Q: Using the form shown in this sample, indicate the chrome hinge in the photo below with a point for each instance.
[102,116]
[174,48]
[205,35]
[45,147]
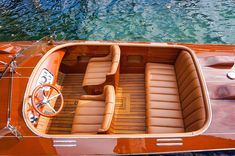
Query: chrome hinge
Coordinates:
[14,131]
[64,143]
[169,142]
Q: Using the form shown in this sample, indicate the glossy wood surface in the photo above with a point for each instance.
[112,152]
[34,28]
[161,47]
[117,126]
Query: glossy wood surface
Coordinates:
[4,102]
[51,64]
[220,135]
[129,116]
[72,90]
[78,57]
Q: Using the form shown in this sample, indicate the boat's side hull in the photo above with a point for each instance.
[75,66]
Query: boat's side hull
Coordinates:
[36,145]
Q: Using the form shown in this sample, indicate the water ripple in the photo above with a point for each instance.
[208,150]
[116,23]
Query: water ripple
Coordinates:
[192,21]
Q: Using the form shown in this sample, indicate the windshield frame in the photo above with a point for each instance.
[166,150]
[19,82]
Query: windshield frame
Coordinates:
[9,64]
[38,47]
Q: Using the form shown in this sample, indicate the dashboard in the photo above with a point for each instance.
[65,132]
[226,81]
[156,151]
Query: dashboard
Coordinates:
[45,77]
[46,72]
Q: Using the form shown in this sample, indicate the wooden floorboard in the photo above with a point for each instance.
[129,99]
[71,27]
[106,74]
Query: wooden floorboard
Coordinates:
[129,117]
[71,90]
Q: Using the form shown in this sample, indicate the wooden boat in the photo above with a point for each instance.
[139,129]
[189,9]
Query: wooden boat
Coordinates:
[97,97]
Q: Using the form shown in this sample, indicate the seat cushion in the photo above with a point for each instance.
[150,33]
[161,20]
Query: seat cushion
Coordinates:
[94,113]
[96,73]
[164,113]
[88,116]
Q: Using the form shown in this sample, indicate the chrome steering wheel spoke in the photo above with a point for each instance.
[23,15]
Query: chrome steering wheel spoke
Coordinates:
[47,100]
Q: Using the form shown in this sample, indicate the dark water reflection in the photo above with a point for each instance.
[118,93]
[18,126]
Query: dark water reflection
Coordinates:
[201,21]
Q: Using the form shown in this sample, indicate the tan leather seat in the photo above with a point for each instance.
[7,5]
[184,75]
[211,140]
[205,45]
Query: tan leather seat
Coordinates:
[94,113]
[101,71]
[174,97]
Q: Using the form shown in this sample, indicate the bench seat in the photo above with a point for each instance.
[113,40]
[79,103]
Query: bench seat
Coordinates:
[174,97]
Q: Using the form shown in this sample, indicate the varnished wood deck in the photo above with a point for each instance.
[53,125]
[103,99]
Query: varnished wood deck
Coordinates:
[130,105]
[72,90]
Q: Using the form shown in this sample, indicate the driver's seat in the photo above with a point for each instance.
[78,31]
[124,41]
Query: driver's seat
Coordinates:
[94,113]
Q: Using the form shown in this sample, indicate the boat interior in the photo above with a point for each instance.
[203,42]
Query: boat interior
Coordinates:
[114,89]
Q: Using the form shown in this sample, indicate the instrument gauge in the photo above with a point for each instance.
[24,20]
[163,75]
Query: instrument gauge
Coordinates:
[43,79]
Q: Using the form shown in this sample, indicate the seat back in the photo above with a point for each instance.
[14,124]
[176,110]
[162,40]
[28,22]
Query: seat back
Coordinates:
[112,77]
[193,107]
[107,74]
[109,94]
[115,55]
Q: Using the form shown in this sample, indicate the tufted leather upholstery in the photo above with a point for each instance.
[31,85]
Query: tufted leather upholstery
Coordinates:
[94,113]
[174,97]
[101,71]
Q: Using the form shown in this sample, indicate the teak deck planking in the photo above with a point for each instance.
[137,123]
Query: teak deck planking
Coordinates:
[71,90]
[130,105]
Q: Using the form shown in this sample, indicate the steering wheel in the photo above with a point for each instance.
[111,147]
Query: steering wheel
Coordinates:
[41,100]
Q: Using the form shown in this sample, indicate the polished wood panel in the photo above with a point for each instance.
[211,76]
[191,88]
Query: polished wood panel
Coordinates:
[51,63]
[4,101]
[73,64]
[27,146]
[148,54]
[129,117]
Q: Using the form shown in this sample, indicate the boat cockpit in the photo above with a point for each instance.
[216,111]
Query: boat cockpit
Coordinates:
[117,90]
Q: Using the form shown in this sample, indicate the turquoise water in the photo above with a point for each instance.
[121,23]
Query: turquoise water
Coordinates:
[195,21]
